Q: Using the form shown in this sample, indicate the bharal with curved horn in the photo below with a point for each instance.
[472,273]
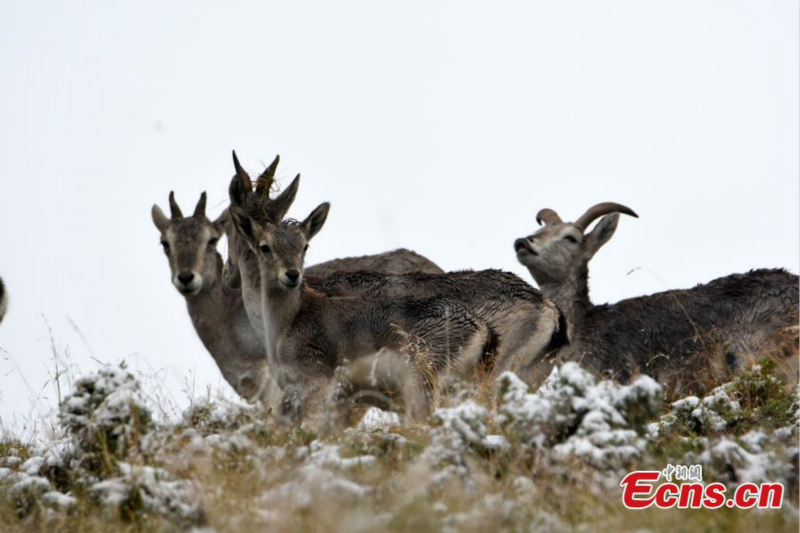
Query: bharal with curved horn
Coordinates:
[689,339]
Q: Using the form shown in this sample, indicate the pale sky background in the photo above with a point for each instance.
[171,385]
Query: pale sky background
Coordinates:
[438,126]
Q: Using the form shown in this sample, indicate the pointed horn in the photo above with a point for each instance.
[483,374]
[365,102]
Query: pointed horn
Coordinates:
[240,172]
[174,210]
[606,208]
[267,178]
[548,216]
[200,209]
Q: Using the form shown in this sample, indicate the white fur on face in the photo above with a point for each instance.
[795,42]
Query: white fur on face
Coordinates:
[192,288]
[177,249]
[550,252]
[284,279]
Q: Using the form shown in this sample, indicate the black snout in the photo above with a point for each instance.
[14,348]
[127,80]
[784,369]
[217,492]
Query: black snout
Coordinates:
[185,277]
[523,244]
[292,276]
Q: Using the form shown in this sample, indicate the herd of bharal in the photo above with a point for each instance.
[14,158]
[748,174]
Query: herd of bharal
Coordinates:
[386,330]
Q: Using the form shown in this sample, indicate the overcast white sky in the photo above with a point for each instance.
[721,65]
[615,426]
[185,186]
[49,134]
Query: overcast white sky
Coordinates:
[439,126]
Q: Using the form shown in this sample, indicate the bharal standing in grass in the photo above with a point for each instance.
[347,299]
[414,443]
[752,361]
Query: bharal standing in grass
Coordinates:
[3,300]
[689,339]
[217,312]
[309,335]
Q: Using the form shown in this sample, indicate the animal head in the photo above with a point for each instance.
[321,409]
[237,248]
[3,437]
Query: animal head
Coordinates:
[255,201]
[189,244]
[279,246]
[560,249]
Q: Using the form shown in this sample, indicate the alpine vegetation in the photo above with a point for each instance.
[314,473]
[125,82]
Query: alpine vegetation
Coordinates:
[100,465]
[689,339]
[533,460]
[379,393]
[573,415]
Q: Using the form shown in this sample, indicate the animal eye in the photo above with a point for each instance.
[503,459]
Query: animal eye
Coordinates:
[571,239]
[213,242]
[305,248]
[265,249]
[165,244]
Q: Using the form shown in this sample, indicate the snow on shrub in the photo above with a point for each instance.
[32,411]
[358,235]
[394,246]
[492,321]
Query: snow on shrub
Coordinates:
[106,416]
[457,432]
[107,419]
[146,490]
[743,460]
[22,491]
[574,415]
[713,413]
[221,414]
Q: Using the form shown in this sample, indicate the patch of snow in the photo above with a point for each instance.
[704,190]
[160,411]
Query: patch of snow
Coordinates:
[377,419]
[577,416]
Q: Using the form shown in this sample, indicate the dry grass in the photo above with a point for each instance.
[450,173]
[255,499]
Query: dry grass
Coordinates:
[250,473]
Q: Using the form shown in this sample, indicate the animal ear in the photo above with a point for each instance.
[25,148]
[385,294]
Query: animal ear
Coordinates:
[282,202]
[316,219]
[243,224]
[159,218]
[237,192]
[221,223]
[602,233]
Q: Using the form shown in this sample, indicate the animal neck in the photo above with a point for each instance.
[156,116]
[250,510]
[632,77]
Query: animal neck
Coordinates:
[250,279]
[220,320]
[280,307]
[571,295]
[207,301]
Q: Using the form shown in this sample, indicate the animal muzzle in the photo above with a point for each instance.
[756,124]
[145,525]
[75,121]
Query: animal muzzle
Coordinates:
[523,246]
[188,282]
[291,278]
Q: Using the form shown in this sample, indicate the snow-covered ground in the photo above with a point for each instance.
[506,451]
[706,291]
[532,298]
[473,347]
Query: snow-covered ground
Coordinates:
[546,460]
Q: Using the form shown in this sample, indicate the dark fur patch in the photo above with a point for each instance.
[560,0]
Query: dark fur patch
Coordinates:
[489,355]
[560,337]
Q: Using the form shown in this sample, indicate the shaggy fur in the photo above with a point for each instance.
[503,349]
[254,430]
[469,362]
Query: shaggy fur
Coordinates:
[529,326]
[692,337]
[309,335]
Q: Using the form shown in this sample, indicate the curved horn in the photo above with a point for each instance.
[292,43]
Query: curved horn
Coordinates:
[606,208]
[174,210]
[267,178]
[548,216]
[240,172]
[200,209]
